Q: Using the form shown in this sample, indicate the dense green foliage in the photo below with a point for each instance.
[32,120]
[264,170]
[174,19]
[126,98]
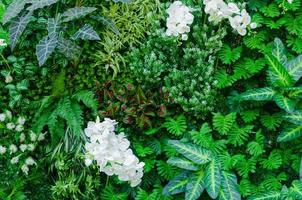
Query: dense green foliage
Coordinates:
[213,115]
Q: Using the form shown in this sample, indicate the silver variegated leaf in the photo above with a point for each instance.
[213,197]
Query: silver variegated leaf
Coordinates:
[176,185]
[123,1]
[46,47]
[108,22]
[17,27]
[53,25]
[69,48]
[294,67]
[36,4]
[75,13]
[13,10]
[279,51]
[86,33]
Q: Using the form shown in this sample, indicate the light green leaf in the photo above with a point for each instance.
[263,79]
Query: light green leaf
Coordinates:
[277,73]
[229,187]
[86,33]
[296,189]
[294,117]
[224,123]
[195,186]
[294,67]
[13,10]
[279,51]
[75,13]
[46,47]
[269,195]
[36,4]
[285,103]
[182,163]
[290,133]
[213,178]
[192,152]
[176,185]
[260,94]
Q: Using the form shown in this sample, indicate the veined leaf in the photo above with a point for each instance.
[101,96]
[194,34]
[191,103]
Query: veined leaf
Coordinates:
[176,185]
[75,13]
[294,117]
[192,152]
[36,4]
[123,1]
[290,133]
[17,27]
[277,73]
[224,123]
[45,48]
[293,92]
[279,51]
[294,67]
[296,189]
[213,178]
[260,94]
[270,195]
[195,186]
[86,33]
[229,187]
[285,103]
[182,163]
[53,25]
[108,22]
[13,10]
[68,48]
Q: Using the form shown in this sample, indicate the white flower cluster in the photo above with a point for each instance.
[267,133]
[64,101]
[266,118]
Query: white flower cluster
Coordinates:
[218,10]
[111,152]
[179,20]
[3,43]
[21,148]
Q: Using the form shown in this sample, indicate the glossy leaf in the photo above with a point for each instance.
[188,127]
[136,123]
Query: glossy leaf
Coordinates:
[182,163]
[176,185]
[279,51]
[294,117]
[269,195]
[294,67]
[260,94]
[75,13]
[86,33]
[290,133]
[46,47]
[229,187]
[36,4]
[213,178]
[13,10]
[53,25]
[195,186]
[285,103]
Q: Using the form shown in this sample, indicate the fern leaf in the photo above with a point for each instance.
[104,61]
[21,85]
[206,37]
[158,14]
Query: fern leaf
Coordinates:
[87,98]
[228,55]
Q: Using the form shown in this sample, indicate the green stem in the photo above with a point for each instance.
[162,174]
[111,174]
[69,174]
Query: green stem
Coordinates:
[107,181]
[5,61]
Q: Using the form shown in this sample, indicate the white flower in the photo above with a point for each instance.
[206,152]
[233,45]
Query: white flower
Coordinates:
[2,149]
[25,169]
[253,25]
[290,1]
[19,128]
[3,43]
[30,147]
[41,136]
[10,126]
[88,161]
[14,160]
[30,161]
[2,117]
[8,114]
[23,147]
[22,137]
[8,78]
[13,148]
[33,136]
[21,120]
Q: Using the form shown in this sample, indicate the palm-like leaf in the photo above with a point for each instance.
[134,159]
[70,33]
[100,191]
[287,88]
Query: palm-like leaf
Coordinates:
[195,186]
[289,133]
[182,163]
[213,178]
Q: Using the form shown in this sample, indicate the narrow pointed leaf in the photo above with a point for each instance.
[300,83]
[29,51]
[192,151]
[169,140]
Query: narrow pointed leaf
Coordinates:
[36,4]
[285,103]
[270,195]
[53,25]
[279,51]
[294,67]
[195,186]
[290,133]
[261,94]
[176,185]
[229,187]
[75,13]
[13,10]
[213,178]
[192,152]
[45,48]
[277,73]
[86,33]
[17,27]
[182,163]
[294,117]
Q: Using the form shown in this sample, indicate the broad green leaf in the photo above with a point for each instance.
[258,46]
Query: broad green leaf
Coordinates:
[294,117]
[182,163]
[2,11]
[289,133]
[279,51]
[53,25]
[13,10]
[68,48]
[229,187]
[192,152]
[285,103]
[277,73]
[17,27]
[294,67]
[269,195]
[108,22]
[46,47]
[296,189]
[86,33]
[293,92]
[195,186]
[176,185]
[36,4]
[213,178]
[75,13]
[260,94]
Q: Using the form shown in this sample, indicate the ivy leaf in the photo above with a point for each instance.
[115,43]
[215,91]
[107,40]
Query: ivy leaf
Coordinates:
[229,187]
[53,25]
[192,152]
[279,51]
[213,178]
[285,103]
[294,117]
[195,186]
[290,133]
[260,94]
[13,10]
[294,67]
[46,47]
[75,13]
[277,73]
[176,185]
[86,33]
[228,55]
[182,163]
[270,195]
[36,4]
[17,27]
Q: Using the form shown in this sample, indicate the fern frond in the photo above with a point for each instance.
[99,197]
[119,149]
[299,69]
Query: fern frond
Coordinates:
[176,126]
[223,123]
